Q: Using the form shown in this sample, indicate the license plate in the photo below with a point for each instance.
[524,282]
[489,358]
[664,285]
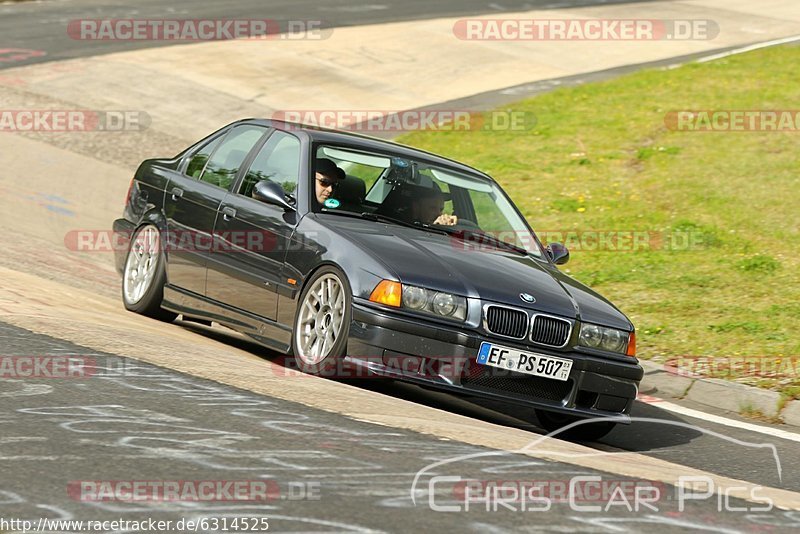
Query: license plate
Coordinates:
[520,361]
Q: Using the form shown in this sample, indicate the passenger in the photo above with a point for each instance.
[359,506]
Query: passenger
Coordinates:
[327,177]
[428,207]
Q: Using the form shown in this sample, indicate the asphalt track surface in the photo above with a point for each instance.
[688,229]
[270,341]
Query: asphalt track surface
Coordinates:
[324,472]
[42,25]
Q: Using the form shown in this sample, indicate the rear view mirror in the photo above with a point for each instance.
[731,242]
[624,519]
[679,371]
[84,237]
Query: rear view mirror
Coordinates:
[558,253]
[271,193]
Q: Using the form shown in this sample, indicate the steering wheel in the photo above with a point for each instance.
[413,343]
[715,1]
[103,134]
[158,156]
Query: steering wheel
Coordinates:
[466,223]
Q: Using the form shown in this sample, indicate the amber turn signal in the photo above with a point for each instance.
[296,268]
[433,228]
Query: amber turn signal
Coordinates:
[631,344]
[387,292]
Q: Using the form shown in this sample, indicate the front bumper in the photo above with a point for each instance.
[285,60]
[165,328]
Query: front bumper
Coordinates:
[444,357]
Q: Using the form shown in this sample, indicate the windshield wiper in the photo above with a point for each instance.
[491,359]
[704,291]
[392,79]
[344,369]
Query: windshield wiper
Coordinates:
[484,237]
[385,218]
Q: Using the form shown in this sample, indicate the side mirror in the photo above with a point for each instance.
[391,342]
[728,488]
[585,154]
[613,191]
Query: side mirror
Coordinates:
[271,193]
[558,253]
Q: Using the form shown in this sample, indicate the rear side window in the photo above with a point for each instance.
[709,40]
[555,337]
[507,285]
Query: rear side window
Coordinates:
[199,160]
[229,156]
[278,161]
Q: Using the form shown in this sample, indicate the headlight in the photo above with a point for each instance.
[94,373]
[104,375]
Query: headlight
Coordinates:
[420,299]
[415,298]
[614,340]
[600,337]
[591,335]
[444,304]
[434,302]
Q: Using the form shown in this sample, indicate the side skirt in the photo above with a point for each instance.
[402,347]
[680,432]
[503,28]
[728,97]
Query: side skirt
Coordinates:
[269,333]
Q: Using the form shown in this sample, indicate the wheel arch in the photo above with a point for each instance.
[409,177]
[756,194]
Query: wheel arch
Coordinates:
[314,270]
[157,218]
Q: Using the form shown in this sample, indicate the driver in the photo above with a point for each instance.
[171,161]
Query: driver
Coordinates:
[326,179]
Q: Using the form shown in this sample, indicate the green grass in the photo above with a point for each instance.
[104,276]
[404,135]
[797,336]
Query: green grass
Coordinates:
[601,158]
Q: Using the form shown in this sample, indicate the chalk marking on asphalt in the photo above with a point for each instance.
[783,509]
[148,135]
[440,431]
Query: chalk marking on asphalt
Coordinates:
[711,418]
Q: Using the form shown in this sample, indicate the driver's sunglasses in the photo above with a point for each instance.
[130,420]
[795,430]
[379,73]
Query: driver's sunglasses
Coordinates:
[325,182]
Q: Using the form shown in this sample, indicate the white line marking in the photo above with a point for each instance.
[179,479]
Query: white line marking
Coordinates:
[749,48]
[697,414]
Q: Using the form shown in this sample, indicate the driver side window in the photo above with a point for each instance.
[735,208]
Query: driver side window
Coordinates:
[277,161]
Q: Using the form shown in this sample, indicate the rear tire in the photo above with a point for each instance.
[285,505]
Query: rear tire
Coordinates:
[322,323]
[552,422]
[144,275]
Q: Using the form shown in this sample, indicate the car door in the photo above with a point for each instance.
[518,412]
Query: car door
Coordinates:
[192,202]
[252,236]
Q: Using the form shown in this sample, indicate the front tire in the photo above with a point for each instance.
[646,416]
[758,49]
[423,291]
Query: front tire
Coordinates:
[144,275]
[322,323]
[553,422]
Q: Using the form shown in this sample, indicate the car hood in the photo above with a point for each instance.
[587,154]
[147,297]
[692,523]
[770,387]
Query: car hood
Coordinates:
[446,263]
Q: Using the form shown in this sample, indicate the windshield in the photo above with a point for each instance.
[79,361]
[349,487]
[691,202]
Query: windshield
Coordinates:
[387,187]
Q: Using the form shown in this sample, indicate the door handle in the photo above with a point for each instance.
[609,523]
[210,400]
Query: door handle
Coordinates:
[177,193]
[228,213]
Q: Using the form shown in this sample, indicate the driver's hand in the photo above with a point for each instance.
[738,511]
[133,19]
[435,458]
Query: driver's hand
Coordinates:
[446,220]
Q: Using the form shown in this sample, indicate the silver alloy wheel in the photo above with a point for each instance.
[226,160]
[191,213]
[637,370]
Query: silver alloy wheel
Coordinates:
[141,265]
[320,321]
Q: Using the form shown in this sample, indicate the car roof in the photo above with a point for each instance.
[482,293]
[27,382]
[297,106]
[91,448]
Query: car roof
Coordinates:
[324,135]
